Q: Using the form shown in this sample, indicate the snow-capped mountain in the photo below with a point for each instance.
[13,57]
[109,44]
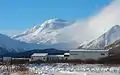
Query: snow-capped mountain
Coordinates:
[41,36]
[107,38]
[8,44]
[59,34]
[11,45]
[46,33]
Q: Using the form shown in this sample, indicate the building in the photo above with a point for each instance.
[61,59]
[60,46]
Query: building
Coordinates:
[78,54]
[82,54]
[46,57]
[55,57]
[66,56]
[7,60]
[39,56]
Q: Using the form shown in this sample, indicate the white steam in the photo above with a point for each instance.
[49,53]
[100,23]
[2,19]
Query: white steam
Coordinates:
[94,26]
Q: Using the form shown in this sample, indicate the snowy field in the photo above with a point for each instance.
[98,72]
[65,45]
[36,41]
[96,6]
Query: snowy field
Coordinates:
[69,69]
[61,69]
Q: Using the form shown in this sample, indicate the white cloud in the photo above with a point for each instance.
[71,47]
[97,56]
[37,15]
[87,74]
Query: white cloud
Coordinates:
[94,26]
[108,17]
[10,32]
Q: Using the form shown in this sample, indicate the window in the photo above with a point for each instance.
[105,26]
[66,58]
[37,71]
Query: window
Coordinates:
[66,55]
[102,53]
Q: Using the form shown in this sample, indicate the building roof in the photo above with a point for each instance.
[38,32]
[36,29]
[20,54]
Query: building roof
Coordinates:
[94,50]
[60,55]
[66,53]
[56,55]
[39,54]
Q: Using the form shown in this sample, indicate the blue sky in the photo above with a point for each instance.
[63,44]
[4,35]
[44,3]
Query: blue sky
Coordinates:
[22,14]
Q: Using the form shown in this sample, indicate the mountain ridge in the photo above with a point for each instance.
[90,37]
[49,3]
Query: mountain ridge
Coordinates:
[53,33]
[107,38]
[45,33]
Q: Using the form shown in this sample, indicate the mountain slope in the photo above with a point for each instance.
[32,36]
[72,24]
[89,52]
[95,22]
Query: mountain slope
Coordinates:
[44,33]
[10,45]
[50,34]
[107,38]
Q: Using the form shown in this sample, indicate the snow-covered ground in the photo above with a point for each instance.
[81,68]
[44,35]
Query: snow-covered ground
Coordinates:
[70,69]
[63,69]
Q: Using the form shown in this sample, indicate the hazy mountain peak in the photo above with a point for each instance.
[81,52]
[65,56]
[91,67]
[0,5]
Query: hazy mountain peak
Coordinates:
[114,28]
[55,20]
[55,23]
[47,32]
[107,38]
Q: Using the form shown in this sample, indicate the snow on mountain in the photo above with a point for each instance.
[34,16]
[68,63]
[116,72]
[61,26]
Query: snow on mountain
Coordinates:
[10,45]
[14,45]
[107,38]
[62,34]
[46,33]
[58,33]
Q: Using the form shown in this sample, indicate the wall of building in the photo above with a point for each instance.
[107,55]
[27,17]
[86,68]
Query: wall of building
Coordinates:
[85,55]
[80,54]
[55,57]
[42,58]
